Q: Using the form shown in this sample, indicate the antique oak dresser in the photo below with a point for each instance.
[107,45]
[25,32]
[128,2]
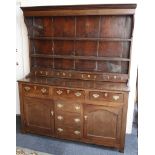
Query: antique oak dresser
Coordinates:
[77,88]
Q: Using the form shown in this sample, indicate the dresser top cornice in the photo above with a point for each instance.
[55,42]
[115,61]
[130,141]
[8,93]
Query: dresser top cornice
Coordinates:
[98,9]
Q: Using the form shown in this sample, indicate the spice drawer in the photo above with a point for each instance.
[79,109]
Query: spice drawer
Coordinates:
[106,96]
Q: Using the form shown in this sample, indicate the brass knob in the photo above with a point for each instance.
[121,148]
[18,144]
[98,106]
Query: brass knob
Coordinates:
[77,132]
[60,129]
[58,74]
[60,118]
[115,77]
[43,90]
[76,120]
[96,95]
[77,107]
[27,88]
[88,76]
[78,94]
[59,105]
[63,74]
[59,92]
[41,72]
[115,97]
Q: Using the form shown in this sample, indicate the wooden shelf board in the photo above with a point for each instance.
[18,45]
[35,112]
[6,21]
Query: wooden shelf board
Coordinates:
[80,57]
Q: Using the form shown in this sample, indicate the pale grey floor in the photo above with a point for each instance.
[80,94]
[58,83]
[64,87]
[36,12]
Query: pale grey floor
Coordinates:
[64,147]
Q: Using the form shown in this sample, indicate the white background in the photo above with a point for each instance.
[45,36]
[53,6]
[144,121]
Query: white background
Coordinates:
[144,46]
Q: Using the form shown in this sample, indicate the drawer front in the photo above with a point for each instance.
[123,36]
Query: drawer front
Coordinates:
[33,90]
[68,119]
[68,106]
[68,93]
[68,132]
[106,96]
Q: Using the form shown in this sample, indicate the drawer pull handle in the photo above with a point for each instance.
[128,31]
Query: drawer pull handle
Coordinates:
[96,95]
[78,94]
[52,113]
[115,97]
[77,132]
[43,90]
[59,92]
[27,88]
[115,77]
[77,120]
[88,76]
[77,107]
[59,117]
[64,74]
[59,105]
[85,117]
[105,94]
[60,129]
[68,91]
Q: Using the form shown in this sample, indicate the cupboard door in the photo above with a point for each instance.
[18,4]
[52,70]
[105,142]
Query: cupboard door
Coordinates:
[102,124]
[38,116]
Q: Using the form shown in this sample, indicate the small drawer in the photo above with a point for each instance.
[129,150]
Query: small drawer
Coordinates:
[67,106]
[69,93]
[89,76]
[106,96]
[68,132]
[67,118]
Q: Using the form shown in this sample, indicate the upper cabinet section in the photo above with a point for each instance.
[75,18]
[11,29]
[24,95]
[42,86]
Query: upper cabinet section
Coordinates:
[87,38]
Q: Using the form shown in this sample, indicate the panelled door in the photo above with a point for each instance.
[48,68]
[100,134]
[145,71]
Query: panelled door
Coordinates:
[102,124]
[39,115]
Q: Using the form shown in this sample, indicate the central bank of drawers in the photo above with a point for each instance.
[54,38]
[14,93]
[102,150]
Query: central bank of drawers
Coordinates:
[68,121]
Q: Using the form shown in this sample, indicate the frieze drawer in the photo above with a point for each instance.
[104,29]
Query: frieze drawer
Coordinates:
[34,90]
[107,96]
[69,93]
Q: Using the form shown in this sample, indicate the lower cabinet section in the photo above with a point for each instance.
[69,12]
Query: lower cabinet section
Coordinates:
[38,115]
[87,121]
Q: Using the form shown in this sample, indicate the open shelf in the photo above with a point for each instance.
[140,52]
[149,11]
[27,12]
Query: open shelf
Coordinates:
[80,38]
[80,57]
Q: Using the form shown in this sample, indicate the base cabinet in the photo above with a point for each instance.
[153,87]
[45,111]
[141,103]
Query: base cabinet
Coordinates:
[102,124]
[39,116]
[89,118]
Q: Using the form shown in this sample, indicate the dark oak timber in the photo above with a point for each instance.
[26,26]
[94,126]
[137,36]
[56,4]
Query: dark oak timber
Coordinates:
[80,59]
